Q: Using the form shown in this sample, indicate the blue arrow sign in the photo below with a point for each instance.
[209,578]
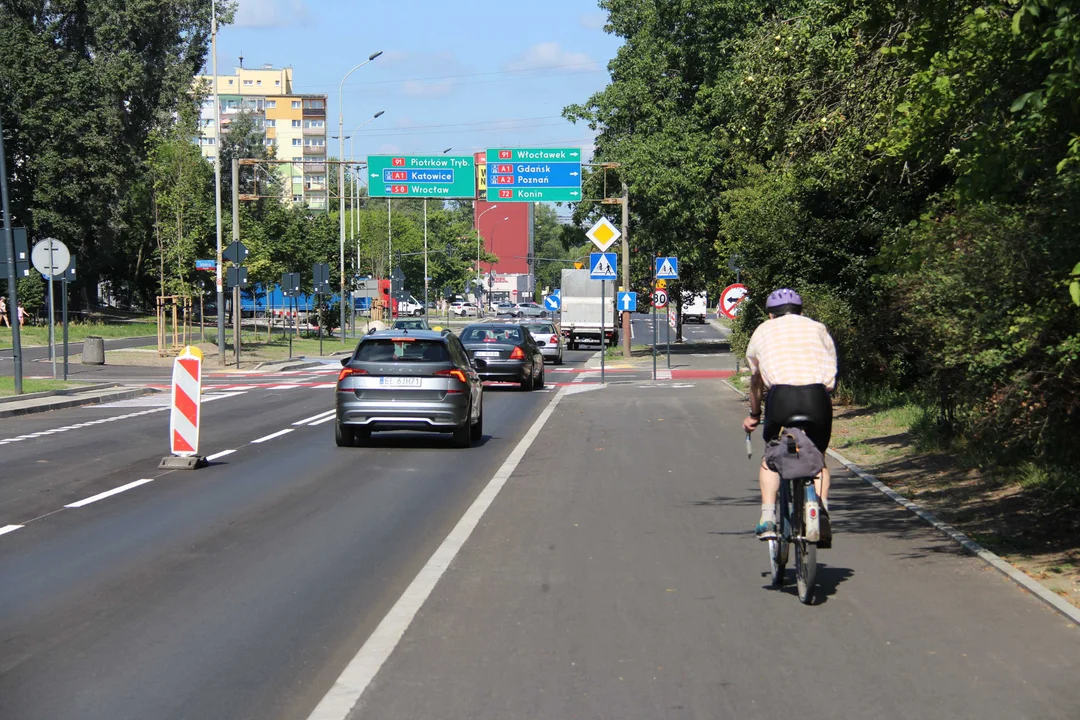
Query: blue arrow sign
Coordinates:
[602,266]
[667,268]
[627,301]
[418,175]
[553,302]
[557,292]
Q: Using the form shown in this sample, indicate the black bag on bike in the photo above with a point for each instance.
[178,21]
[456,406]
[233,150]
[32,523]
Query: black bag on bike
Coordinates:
[793,455]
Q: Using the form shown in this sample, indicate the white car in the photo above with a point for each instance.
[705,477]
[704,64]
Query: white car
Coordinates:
[464,309]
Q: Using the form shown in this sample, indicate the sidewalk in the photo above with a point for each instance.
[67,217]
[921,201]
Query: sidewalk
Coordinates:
[616,576]
[16,405]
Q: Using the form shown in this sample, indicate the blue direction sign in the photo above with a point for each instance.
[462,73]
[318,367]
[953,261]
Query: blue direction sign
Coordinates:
[552,302]
[206,264]
[539,174]
[667,268]
[627,301]
[602,266]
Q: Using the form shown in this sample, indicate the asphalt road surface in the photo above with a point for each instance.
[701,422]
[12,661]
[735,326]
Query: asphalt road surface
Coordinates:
[614,576]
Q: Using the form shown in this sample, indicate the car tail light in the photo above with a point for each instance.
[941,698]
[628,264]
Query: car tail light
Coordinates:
[554,340]
[346,372]
[454,373]
[517,354]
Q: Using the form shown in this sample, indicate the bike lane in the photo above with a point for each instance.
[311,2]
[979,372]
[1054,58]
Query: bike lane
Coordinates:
[616,576]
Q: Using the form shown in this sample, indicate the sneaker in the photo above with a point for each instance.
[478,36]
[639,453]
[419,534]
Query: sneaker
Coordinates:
[826,530]
[765,530]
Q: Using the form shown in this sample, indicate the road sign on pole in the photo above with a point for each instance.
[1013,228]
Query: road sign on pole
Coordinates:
[235,253]
[50,258]
[533,175]
[603,234]
[602,266]
[627,302]
[443,176]
[730,300]
[660,298]
[185,416]
[667,268]
[552,302]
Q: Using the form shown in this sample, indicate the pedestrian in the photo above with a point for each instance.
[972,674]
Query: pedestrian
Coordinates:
[22,315]
[3,311]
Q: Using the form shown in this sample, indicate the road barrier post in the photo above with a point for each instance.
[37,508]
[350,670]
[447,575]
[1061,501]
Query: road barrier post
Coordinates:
[185,415]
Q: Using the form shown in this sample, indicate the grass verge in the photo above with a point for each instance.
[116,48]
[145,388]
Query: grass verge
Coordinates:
[7,385]
[77,332]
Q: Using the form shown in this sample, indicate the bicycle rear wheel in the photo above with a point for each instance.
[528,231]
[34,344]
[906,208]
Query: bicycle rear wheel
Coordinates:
[805,570]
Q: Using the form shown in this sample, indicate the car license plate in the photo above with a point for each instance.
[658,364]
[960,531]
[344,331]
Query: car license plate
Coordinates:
[400,382]
[481,353]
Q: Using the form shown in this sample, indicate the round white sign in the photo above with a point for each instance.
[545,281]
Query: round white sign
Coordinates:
[730,300]
[50,257]
[659,298]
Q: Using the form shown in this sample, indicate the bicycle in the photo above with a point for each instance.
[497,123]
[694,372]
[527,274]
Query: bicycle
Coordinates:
[798,511]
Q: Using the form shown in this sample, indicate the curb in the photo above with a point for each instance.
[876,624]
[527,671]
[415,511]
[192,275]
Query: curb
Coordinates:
[127,394]
[302,365]
[52,393]
[717,326]
[1027,583]
[995,561]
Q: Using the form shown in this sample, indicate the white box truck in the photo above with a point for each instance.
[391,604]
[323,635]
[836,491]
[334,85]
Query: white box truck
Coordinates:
[695,307]
[583,308]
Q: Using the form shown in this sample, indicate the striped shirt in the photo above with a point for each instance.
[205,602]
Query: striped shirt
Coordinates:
[793,350]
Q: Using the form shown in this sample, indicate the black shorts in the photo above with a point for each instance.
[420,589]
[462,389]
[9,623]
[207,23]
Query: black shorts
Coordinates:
[783,401]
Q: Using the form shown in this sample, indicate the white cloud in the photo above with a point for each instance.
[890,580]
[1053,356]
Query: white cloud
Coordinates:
[388,149]
[593,21]
[551,54]
[391,57]
[272,13]
[424,88]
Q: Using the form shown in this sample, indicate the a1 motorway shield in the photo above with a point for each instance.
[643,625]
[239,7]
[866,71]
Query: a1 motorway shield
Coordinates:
[730,300]
[443,176]
[602,266]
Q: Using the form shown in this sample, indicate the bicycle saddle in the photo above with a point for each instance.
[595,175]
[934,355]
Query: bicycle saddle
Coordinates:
[797,420]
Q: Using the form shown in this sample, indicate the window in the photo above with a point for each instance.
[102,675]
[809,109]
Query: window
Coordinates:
[268,141]
[248,82]
[314,123]
[389,351]
[298,159]
[271,122]
[296,123]
[296,104]
[230,81]
[313,104]
[296,198]
[277,83]
[296,143]
[258,82]
[315,142]
[271,103]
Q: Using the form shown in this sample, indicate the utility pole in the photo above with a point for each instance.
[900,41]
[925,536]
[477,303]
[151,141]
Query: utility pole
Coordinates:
[425,259]
[237,315]
[217,185]
[12,272]
[626,320]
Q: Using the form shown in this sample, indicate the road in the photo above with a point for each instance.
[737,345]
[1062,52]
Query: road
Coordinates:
[613,576]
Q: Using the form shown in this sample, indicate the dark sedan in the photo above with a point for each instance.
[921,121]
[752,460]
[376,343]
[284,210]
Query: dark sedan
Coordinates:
[506,353]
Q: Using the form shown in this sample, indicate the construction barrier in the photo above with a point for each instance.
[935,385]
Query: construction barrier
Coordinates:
[184,419]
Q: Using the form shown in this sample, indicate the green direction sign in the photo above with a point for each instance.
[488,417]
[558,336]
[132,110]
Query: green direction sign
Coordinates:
[533,174]
[442,176]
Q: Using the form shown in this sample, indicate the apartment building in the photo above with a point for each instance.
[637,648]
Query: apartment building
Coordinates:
[293,125]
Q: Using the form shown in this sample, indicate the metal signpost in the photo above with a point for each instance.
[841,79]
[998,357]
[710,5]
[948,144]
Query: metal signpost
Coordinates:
[290,288]
[659,302]
[68,277]
[602,267]
[441,176]
[534,175]
[237,275]
[51,259]
[667,268]
[321,282]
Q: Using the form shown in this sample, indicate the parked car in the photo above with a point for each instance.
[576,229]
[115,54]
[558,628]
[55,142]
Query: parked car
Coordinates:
[420,380]
[508,353]
[530,309]
[464,309]
[547,337]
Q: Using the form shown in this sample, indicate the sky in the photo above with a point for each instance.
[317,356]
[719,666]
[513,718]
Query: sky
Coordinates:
[460,74]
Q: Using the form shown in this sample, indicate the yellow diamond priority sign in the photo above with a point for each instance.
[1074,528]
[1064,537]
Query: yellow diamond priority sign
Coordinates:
[603,234]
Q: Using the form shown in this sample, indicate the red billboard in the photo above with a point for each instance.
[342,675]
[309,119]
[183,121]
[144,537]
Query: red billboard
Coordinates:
[506,230]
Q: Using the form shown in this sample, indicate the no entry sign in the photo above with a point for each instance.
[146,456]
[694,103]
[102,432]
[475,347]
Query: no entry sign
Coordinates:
[730,300]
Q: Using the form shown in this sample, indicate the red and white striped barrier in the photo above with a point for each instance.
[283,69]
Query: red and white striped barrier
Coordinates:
[185,416]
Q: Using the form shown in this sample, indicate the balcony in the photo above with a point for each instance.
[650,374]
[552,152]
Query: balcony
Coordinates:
[315,131]
[314,186]
[315,150]
[315,167]
[314,112]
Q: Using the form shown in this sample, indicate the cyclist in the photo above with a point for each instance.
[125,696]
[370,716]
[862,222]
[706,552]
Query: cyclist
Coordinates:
[793,361]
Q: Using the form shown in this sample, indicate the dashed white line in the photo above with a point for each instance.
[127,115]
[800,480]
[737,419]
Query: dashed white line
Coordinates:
[324,385]
[271,436]
[9,528]
[221,454]
[108,493]
[325,419]
[314,417]
[284,387]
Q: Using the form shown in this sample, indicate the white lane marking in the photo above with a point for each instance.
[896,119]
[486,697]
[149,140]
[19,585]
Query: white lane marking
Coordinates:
[283,387]
[271,436]
[325,419]
[325,385]
[108,493]
[221,454]
[9,528]
[361,670]
[314,417]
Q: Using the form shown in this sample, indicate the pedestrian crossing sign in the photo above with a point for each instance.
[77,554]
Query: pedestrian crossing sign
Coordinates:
[667,268]
[602,266]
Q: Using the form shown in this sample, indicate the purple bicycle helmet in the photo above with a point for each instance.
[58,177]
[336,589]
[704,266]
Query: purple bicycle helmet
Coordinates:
[783,296]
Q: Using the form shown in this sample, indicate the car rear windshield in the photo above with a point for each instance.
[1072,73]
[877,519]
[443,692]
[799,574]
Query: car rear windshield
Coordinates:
[410,325]
[492,334]
[387,350]
[541,329]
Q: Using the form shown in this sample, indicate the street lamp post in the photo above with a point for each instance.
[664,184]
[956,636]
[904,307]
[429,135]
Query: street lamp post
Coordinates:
[341,182]
[217,186]
[478,251]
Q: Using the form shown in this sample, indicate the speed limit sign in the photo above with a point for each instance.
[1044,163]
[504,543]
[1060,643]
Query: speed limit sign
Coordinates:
[659,298]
